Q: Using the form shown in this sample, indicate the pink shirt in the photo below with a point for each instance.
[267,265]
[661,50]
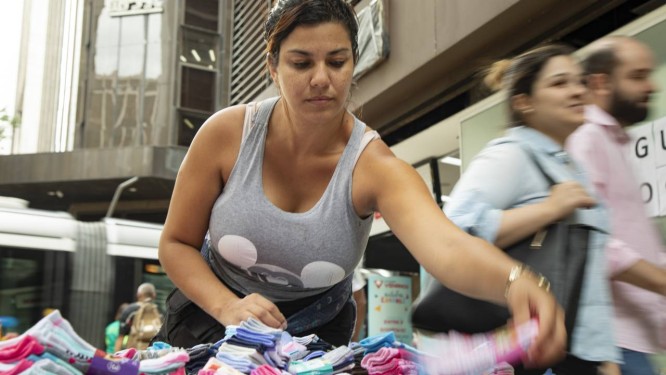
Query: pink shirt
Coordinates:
[600,146]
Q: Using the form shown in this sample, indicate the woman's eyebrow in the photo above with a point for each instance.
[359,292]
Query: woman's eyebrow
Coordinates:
[306,53]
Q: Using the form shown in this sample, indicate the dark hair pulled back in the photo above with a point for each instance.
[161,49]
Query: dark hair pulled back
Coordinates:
[518,75]
[286,15]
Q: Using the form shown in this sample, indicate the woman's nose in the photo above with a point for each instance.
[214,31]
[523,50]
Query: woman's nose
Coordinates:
[320,76]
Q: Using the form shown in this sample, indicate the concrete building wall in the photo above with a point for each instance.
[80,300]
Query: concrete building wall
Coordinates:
[46,92]
[32,65]
[435,45]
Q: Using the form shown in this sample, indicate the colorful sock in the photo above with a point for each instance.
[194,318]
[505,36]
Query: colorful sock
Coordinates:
[241,364]
[167,363]
[240,351]
[313,355]
[273,359]
[291,349]
[255,337]
[17,367]
[26,346]
[57,361]
[315,366]
[340,357]
[257,326]
[374,343]
[265,370]
[216,365]
[383,355]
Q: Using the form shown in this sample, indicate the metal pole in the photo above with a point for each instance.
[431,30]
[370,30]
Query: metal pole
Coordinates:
[119,191]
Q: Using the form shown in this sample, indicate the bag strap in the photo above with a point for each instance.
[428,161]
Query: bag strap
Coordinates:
[535,160]
[138,315]
[551,181]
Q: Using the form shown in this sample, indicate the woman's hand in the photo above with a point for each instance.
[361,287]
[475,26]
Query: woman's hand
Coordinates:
[567,196]
[526,299]
[253,305]
[609,368]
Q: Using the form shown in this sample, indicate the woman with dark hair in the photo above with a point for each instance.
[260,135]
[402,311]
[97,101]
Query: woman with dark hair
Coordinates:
[286,190]
[504,197]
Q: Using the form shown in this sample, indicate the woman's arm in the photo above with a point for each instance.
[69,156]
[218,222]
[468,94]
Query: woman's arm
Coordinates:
[484,200]
[646,275]
[199,183]
[522,222]
[460,261]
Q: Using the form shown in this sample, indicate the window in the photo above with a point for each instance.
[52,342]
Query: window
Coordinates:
[202,14]
[188,125]
[197,89]
[248,73]
[30,282]
[199,48]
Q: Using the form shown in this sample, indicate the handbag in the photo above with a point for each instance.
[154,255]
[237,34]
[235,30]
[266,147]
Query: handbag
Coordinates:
[558,251]
[186,324]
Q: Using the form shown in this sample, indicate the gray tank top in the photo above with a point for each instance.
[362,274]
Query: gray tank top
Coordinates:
[258,248]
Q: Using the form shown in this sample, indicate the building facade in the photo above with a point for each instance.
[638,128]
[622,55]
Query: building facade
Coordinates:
[112,93]
[133,81]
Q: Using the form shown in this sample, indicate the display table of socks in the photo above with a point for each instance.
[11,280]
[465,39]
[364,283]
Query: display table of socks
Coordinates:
[52,347]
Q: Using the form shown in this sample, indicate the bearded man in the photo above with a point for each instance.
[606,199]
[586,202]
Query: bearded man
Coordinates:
[618,71]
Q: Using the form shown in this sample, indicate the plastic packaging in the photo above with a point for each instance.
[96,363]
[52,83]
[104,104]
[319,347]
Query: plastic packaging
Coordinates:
[461,354]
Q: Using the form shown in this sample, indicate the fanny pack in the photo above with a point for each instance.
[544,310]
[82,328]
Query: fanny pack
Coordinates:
[186,324]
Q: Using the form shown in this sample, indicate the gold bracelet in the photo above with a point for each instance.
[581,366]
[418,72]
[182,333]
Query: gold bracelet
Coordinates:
[518,271]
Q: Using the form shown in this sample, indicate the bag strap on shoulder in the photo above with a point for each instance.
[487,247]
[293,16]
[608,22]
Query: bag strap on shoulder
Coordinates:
[533,157]
[537,163]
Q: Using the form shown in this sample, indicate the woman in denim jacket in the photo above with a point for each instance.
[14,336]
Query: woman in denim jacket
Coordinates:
[503,196]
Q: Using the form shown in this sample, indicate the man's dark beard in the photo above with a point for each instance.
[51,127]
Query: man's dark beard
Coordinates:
[626,111]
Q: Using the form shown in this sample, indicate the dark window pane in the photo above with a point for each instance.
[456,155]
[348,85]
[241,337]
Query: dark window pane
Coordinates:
[199,48]
[188,125]
[197,89]
[202,13]
[31,281]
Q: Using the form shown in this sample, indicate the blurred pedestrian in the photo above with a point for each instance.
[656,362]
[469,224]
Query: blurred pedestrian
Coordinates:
[504,197]
[618,72]
[113,328]
[140,321]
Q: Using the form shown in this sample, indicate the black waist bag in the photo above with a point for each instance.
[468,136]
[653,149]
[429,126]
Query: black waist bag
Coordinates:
[559,252]
[186,324]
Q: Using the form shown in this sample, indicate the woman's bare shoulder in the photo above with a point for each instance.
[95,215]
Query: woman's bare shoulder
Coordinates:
[377,154]
[378,165]
[225,124]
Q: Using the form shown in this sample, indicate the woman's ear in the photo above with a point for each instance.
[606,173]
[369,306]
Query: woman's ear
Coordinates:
[270,64]
[522,104]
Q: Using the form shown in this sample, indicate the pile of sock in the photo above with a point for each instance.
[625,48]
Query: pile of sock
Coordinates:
[256,349]
[391,361]
[52,347]
[384,355]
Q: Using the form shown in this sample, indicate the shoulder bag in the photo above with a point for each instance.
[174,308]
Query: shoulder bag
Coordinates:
[558,251]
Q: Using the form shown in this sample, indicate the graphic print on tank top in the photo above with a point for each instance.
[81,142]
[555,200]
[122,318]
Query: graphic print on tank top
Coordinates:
[242,253]
[255,247]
